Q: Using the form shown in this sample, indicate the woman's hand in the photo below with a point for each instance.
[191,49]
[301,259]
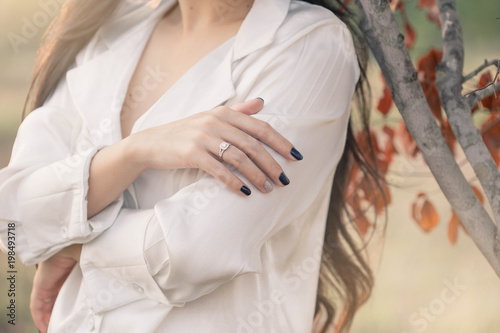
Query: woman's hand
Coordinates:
[49,278]
[193,142]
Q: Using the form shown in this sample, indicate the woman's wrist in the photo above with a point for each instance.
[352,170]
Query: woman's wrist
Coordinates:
[135,154]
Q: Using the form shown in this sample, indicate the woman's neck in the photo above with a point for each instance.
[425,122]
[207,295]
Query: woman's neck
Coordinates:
[196,15]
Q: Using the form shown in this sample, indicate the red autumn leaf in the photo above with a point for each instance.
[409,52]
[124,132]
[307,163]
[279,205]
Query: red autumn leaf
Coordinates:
[424,213]
[428,62]
[494,152]
[491,137]
[388,130]
[375,197]
[383,198]
[396,4]
[386,149]
[484,80]
[455,222]
[431,9]
[363,224]
[404,137]
[363,193]
[361,221]
[478,193]
[448,135]
[426,3]
[495,104]
[365,140]
[385,103]
[389,148]
[432,97]
[381,160]
[434,16]
[426,68]
[453,225]
[491,102]
[410,35]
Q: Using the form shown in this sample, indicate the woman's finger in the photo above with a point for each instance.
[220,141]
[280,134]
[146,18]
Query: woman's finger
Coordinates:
[249,156]
[249,107]
[262,131]
[237,158]
[220,172]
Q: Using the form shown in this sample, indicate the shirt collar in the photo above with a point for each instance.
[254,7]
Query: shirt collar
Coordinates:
[257,29]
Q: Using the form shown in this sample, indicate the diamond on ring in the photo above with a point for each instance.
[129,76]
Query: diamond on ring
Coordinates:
[222,148]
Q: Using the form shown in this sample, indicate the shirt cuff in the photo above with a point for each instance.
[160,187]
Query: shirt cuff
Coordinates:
[114,267]
[66,222]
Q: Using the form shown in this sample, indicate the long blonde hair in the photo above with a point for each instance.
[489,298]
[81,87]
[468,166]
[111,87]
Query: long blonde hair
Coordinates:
[344,271]
[70,31]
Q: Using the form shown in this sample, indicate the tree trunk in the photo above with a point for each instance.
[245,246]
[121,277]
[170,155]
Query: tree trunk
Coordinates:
[388,46]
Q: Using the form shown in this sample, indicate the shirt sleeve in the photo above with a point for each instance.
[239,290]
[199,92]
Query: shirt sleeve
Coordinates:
[205,235]
[43,189]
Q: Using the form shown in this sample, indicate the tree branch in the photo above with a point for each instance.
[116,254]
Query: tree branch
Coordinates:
[449,83]
[387,44]
[481,68]
[476,96]
[486,86]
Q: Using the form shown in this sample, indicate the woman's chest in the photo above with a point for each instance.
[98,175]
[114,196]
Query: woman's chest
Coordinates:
[165,59]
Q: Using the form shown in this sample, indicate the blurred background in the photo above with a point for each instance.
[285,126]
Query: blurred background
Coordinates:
[423,283]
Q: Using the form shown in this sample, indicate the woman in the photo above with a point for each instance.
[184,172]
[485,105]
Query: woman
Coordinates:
[157,181]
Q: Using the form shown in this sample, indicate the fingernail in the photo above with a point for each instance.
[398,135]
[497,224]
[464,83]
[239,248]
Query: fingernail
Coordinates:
[245,190]
[295,153]
[261,99]
[268,186]
[284,179]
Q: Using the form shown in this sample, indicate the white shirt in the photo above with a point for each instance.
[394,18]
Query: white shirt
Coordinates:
[178,251]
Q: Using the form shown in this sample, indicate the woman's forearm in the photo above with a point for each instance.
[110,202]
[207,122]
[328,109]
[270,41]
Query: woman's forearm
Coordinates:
[193,142]
[112,170]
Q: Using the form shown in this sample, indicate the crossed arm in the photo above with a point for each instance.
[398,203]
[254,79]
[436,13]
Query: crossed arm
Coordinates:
[316,110]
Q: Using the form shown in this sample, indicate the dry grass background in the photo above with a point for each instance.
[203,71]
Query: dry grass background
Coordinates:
[413,269]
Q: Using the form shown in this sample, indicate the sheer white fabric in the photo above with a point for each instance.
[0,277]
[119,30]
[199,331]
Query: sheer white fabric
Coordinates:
[177,251]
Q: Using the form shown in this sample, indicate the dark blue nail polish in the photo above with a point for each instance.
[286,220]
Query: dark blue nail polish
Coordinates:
[261,99]
[245,190]
[284,179]
[295,153]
